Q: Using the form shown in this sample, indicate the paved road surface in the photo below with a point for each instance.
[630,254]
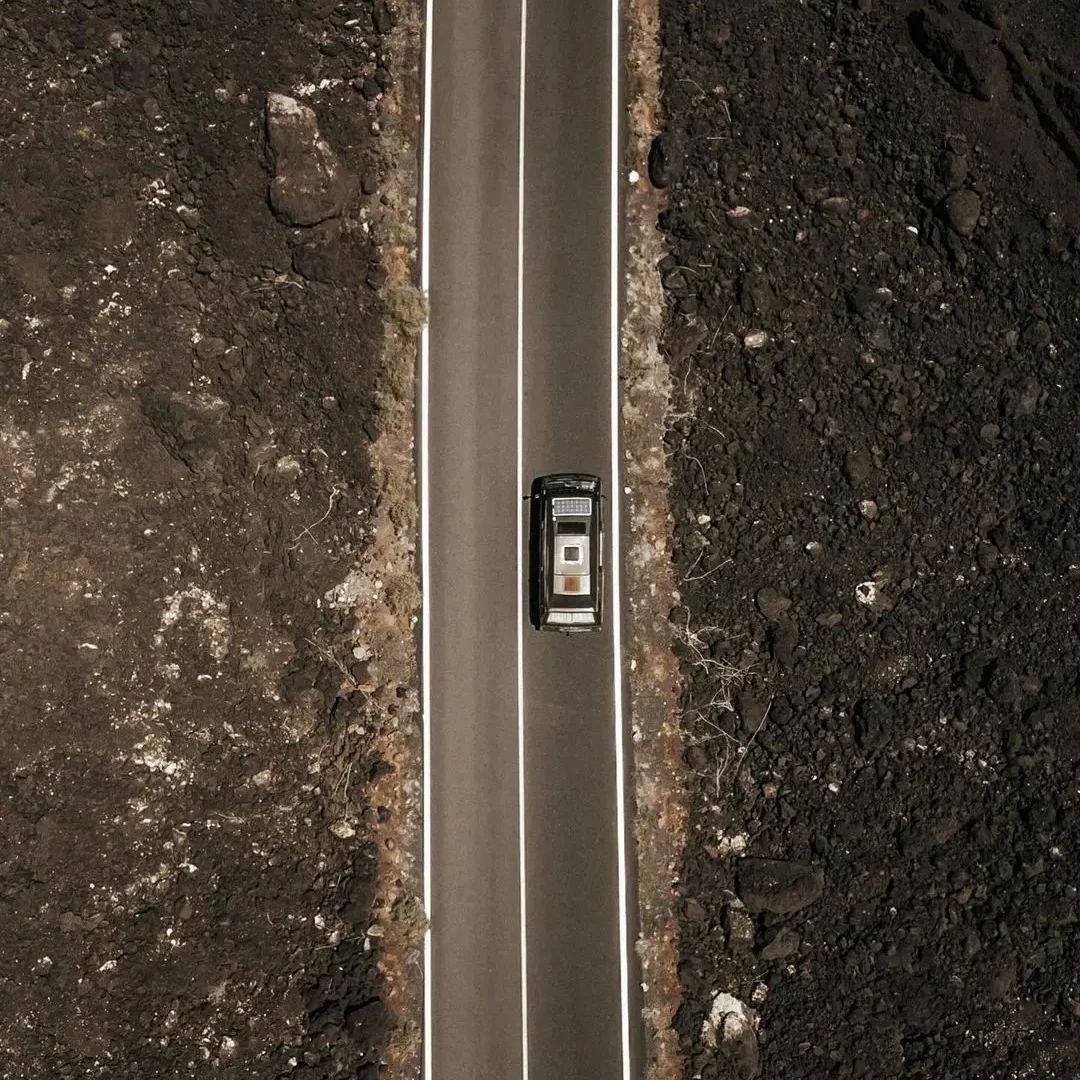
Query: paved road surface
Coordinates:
[572,1010]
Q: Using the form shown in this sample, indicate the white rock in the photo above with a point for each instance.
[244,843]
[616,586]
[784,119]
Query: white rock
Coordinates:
[866,592]
[728,1019]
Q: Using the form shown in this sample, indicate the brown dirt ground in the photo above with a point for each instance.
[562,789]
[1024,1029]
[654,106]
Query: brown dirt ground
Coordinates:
[872,276]
[190,387]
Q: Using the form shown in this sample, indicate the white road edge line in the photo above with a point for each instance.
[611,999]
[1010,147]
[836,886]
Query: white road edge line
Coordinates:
[425,520]
[520,538]
[616,583]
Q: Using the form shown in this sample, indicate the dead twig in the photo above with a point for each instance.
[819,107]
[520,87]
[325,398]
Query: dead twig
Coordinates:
[279,280]
[720,326]
[698,647]
[696,461]
[700,556]
[708,573]
[750,742]
[734,749]
[351,684]
[335,492]
[345,775]
[687,79]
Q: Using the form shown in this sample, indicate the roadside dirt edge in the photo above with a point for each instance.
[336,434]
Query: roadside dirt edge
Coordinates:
[388,623]
[660,826]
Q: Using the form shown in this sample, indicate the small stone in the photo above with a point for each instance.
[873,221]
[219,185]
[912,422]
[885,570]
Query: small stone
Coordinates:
[778,885]
[1037,334]
[310,184]
[863,300]
[962,211]
[783,640]
[756,339]
[954,170]
[320,259]
[771,603]
[740,1046]
[382,17]
[987,557]
[868,508]
[374,276]
[685,339]
[870,595]
[858,465]
[740,929]
[694,911]
[835,206]
[674,281]
[740,217]
[210,348]
[666,157]
[717,36]
[132,70]
[756,294]
[784,943]
[189,216]
[752,712]
[1028,401]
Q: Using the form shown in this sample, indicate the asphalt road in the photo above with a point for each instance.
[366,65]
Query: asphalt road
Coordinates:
[569,1021]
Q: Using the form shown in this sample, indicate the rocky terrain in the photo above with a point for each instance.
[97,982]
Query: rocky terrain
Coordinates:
[192,301]
[873,230]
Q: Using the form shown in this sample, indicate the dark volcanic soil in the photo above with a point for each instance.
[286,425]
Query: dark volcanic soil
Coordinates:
[874,324]
[188,387]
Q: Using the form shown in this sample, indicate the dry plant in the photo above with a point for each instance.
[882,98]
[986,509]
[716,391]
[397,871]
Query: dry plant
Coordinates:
[407,306]
[701,730]
[699,642]
[402,595]
[691,576]
[335,493]
[699,725]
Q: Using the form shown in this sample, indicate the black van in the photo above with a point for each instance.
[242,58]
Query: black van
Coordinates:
[566,542]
